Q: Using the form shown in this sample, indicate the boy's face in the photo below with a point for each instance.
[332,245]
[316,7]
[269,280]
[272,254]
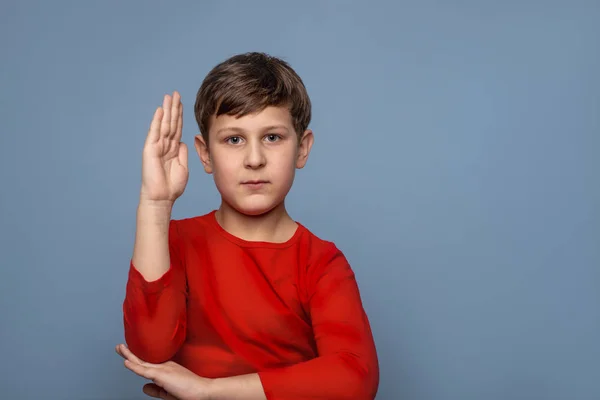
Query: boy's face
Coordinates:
[254,158]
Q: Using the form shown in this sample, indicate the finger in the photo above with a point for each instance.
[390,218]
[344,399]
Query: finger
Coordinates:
[183,155]
[153,390]
[141,370]
[119,351]
[179,129]
[154,131]
[174,114]
[165,123]
[128,355]
[124,352]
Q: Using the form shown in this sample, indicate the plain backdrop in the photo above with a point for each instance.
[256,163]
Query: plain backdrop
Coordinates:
[455,164]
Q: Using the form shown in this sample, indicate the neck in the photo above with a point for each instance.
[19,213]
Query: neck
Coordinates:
[274,226]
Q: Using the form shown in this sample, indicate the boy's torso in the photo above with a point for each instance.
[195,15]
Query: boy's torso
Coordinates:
[246,300]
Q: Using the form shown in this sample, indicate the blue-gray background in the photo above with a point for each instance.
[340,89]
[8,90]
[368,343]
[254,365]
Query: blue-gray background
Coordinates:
[456,164]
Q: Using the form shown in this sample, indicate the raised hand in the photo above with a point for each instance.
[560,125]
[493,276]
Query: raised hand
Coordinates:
[165,157]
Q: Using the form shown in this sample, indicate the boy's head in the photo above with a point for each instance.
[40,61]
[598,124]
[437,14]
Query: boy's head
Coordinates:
[248,83]
[253,112]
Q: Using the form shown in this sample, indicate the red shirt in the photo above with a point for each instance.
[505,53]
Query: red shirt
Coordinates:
[290,312]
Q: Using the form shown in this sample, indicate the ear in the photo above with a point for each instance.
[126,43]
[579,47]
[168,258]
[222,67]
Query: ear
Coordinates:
[304,147]
[203,152]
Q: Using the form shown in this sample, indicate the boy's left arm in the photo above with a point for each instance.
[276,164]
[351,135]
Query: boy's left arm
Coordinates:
[347,366]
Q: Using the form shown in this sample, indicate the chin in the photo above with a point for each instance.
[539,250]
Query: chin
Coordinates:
[254,208]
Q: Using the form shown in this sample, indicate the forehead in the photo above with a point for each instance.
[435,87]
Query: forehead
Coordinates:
[270,116]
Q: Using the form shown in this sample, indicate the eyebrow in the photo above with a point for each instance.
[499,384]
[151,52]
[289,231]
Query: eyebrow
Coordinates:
[241,130]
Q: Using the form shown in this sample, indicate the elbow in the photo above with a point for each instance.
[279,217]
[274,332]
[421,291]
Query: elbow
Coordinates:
[364,382]
[365,387]
[371,385]
[152,352]
[362,389]
[154,345]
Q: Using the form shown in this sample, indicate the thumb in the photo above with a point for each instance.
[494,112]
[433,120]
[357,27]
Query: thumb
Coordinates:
[157,392]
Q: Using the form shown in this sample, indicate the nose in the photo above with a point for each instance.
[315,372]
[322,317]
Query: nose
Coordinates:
[255,157]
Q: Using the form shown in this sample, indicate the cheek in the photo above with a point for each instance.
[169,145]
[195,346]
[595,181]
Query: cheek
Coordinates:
[286,159]
[285,166]
[224,169]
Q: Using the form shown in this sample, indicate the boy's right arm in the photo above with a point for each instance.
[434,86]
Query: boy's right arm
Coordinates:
[154,309]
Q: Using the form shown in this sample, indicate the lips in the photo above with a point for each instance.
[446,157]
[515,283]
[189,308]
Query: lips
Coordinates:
[255,184]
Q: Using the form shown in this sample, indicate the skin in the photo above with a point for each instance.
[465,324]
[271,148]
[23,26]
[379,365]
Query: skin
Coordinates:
[257,147]
[262,147]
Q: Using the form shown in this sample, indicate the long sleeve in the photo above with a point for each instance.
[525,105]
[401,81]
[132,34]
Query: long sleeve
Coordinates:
[154,313]
[347,365]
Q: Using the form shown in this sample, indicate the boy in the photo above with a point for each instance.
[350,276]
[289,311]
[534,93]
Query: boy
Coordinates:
[242,302]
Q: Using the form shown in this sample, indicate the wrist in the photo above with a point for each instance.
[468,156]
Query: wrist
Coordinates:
[155,204]
[212,389]
[154,212]
[247,387]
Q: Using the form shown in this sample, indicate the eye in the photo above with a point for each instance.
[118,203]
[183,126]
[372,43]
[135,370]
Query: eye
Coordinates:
[273,137]
[233,140]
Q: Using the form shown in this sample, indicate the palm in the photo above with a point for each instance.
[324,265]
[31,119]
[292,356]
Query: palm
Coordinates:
[171,381]
[178,382]
[164,160]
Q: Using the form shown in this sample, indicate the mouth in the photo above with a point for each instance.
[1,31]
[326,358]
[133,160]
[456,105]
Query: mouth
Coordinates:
[255,184]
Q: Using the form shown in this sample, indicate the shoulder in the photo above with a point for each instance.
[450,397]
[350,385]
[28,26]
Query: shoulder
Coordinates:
[322,254]
[316,246]
[326,267]
[190,227]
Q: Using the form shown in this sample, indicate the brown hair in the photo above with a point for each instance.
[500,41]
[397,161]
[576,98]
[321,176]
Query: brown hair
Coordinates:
[248,83]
